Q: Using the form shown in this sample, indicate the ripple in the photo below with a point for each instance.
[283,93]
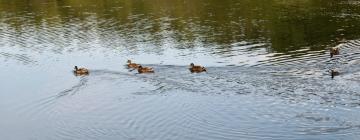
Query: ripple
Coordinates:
[23,58]
[224,103]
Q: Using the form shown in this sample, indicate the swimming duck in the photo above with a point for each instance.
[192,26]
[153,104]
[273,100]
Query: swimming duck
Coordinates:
[334,51]
[197,69]
[145,69]
[334,73]
[81,71]
[132,65]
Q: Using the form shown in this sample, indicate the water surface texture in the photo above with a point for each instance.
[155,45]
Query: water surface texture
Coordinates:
[267,69]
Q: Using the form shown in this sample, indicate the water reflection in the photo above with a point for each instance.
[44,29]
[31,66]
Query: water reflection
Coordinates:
[283,26]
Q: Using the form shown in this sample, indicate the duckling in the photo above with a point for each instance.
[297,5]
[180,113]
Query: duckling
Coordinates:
[197,69]
[334,51]
[81,71]
[132,65]
[334,73]
[145,69]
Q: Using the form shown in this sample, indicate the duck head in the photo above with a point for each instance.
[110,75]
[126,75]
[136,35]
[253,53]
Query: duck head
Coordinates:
[76,68]
[129,61]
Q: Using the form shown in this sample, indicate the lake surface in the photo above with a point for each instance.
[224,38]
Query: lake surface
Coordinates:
[267,69]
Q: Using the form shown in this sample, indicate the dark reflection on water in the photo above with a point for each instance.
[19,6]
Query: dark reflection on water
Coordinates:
[226,29]
[268,69]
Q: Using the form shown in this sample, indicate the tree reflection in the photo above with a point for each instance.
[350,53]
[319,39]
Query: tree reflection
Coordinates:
[286,25]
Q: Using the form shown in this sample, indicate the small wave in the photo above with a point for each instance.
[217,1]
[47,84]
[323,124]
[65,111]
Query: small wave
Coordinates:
[23,58]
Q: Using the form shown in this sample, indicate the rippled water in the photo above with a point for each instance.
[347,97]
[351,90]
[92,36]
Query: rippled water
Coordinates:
[267,69]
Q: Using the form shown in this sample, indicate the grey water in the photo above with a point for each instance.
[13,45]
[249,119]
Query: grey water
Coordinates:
[267,69]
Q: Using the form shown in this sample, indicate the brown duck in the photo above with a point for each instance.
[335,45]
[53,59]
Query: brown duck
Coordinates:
[196,68]
[145,69]
[81,71]
[334,51]
[132,65]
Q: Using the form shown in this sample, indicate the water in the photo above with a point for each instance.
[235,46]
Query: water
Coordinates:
[267,64]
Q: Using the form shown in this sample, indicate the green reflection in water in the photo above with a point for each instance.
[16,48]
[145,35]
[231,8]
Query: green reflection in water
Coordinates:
[287,25]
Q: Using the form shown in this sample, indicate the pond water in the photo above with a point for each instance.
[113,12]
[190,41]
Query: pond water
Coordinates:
[267,69]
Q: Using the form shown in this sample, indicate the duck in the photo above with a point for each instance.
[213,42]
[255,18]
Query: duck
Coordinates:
[196,68]
[334,73]
[142,69]
[81,71]
[334,51]
[132,65]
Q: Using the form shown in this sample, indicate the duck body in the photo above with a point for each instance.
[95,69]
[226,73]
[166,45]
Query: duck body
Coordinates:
[81,71]
[142,69]
[334,51]
[132,65]
[196,68]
